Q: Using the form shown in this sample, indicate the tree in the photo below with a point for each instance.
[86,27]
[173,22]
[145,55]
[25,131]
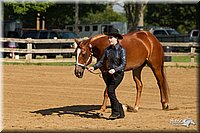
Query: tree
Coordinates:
[178,16]
[106,15]
[134,14]
[197,15]
[24,8]
[59,15]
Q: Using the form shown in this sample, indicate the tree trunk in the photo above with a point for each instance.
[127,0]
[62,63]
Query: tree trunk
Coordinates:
[76,17]
[197,16]
[129,10]
[141,8]
[135,15]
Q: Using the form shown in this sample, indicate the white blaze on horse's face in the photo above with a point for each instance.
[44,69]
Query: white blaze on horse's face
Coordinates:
[84,55]
[77,58]
[77,53]
[83,58]
[79,67]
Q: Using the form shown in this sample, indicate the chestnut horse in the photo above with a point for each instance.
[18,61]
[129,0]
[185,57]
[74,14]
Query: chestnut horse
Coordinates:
[141,48]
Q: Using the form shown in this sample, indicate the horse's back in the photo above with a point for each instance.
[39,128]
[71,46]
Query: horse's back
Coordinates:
[144,37]
[140,46]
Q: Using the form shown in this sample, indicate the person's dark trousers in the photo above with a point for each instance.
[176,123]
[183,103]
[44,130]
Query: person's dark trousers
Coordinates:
[112,82]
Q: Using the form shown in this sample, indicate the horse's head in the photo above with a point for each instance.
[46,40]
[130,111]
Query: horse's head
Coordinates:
[83,56]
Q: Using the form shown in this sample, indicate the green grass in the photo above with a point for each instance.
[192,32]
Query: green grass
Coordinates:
[174,59]
[41,64]
[184,59]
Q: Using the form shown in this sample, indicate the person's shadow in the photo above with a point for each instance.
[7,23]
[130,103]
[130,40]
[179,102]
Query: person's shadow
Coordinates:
[84,111]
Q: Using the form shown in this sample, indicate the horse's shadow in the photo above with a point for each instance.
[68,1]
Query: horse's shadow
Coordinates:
[84,111]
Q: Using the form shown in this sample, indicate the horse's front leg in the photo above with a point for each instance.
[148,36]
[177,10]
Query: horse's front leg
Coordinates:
[105,100]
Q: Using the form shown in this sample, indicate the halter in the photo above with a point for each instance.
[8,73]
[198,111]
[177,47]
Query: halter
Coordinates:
[91,53]
[86,63]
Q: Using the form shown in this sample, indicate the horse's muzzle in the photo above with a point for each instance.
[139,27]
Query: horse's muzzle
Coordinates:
[79,71]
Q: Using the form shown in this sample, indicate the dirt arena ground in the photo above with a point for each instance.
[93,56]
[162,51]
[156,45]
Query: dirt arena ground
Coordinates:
[51,98]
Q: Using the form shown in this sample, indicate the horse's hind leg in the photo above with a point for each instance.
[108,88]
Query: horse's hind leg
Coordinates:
[162,83]
[139,85]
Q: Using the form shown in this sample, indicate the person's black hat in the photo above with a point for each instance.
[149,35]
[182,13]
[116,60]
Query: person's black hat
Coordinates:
[114,32]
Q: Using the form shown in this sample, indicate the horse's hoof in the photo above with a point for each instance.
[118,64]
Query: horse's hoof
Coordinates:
[99,114]
[132,109]
[165,106]
[135,109]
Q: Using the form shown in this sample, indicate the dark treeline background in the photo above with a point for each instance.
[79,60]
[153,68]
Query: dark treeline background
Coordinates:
[182,17]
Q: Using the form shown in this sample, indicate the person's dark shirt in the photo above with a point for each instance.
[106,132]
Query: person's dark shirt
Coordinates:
[115,56]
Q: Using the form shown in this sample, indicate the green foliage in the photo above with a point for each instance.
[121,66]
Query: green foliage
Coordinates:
[178,16]
[107,15]
[59,15]
[181,17]
[24,7]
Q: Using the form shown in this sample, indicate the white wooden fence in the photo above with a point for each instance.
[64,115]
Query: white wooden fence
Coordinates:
[192,45]
[29,51]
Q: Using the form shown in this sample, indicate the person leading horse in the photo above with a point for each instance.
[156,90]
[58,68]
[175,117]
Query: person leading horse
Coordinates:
[115,57]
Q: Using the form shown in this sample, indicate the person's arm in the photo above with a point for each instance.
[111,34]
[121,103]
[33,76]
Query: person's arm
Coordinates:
[99,63]
[123,61]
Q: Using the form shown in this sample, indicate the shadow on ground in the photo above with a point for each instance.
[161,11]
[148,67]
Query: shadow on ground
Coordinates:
[85,111]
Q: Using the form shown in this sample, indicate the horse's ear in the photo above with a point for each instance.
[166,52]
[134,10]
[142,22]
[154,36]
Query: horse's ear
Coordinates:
[76,40]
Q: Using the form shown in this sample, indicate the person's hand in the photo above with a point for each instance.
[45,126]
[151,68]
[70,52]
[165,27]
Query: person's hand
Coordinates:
[111,71]
[91,69]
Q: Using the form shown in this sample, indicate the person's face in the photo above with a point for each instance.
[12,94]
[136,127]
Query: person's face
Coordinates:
[112,40]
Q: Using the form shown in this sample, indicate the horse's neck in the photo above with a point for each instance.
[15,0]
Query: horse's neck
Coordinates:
[97,37]
[98,50]
[99,44]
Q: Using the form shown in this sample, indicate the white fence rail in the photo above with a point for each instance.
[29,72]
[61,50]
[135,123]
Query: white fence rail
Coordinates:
[29,51]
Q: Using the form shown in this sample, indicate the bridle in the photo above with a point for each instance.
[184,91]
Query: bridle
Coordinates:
[85,65]
[87,62]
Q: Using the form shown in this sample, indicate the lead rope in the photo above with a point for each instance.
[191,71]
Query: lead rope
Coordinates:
[91,71]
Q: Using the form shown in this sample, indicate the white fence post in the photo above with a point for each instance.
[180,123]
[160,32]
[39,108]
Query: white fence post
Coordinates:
[29,50]
[192,54]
